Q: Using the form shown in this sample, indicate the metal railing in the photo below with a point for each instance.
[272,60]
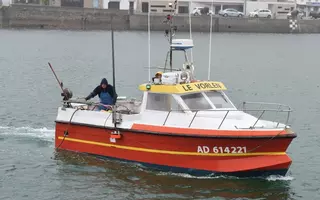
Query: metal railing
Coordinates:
[261,111]
[278,106]
[261,104]
[281,108]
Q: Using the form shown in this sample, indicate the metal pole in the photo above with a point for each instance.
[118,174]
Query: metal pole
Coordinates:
[113,68]
[245,8]
[190,3]
[210,41]
[149,43]
[54,73]
[170,43]
[113,77]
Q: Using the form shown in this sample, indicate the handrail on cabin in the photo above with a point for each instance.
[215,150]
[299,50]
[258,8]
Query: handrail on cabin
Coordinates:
[265,103]
[263,111]
[288,110]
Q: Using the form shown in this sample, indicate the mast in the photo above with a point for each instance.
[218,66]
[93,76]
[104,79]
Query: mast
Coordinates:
[114,110]
[170,44]
[113,68]
[170,33]
[149,43]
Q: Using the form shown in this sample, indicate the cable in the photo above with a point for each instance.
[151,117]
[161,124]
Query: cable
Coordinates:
[66,132]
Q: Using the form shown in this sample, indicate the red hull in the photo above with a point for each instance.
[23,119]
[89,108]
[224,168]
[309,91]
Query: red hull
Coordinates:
[214,154]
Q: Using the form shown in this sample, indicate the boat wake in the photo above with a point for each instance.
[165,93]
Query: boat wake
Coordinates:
[40,133]
[212,176]
[279,178]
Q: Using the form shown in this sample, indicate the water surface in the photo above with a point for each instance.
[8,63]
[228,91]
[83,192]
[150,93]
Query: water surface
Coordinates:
[278,68]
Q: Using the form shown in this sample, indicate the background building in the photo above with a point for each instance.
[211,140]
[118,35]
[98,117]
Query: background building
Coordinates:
[186,6]
[99,4]
[279,8]
[308,5]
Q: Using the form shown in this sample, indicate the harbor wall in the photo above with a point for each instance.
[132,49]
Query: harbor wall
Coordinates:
[4,17]
[49,17]
[1,14]
[46,17]
[199,24]
[253,25]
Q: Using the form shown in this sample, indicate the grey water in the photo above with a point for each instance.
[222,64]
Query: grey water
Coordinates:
[280,68]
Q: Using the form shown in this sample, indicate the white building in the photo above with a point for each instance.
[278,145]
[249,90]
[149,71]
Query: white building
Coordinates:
[186,6]
[280,8]
[6,2]
[120,4]
[308,5]
[218,4]
[113,4]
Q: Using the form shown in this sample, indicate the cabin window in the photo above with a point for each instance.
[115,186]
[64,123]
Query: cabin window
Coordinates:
[218,99]
[196,101]
[175,106]
[159,102]
[163,102]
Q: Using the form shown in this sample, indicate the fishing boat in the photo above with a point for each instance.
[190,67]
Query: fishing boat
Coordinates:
[181,125]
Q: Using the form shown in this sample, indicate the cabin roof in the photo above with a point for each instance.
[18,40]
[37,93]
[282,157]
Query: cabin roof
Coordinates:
[183,88]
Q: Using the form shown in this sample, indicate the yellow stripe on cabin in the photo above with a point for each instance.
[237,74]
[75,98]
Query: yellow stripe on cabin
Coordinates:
[172,152]
[184,88]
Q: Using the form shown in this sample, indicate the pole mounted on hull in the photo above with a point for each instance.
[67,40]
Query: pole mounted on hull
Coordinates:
[114,109]
[116,116]
[66,93]
[113,60]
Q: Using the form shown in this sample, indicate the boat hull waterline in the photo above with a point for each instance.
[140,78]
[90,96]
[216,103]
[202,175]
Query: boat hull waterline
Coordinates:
[194,155]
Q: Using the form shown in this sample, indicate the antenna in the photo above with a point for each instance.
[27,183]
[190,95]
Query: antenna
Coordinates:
[170,43]
[190,31]
[172,29]
[149,45]
[210,41]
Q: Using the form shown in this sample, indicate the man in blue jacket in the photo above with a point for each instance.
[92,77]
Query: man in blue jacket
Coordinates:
[106,93]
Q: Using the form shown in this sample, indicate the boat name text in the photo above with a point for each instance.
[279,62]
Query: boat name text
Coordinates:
[201,86]
[217,149]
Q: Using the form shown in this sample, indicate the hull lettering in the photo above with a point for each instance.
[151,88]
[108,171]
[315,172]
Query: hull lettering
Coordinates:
[218,149]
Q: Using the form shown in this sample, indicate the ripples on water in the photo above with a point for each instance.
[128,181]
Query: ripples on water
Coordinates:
[265,67]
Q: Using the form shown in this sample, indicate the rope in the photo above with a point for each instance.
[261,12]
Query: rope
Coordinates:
[66,132]
[262,144]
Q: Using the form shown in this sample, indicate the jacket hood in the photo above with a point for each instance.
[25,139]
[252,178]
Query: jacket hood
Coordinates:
[104,81]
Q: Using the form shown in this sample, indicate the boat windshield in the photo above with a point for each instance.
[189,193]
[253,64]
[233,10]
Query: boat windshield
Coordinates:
[206,100]
[218,99]
[196,101]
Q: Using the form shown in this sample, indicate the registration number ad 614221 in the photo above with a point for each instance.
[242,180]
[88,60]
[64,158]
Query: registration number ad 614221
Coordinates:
[220,149]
